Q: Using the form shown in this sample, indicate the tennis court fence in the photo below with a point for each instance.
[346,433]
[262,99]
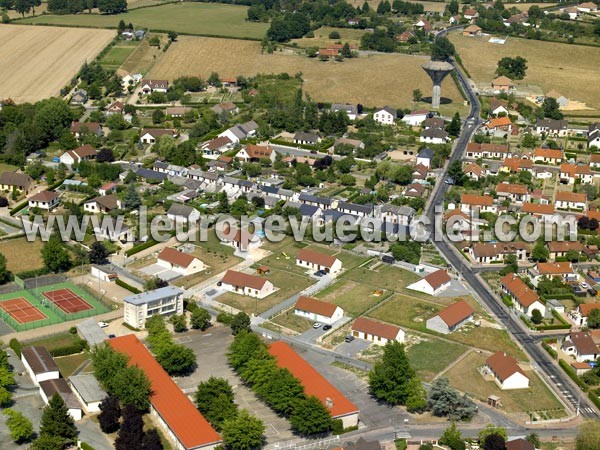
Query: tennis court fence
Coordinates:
[17,326]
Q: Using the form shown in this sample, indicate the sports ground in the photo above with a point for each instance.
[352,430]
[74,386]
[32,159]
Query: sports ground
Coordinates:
[47,305]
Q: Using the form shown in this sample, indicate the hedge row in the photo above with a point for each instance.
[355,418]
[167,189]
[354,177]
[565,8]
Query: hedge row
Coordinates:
[572,375]
[33,273]
[127,286]
[549,349]
[76,347]
[85,446]
[138,248]
[19,207]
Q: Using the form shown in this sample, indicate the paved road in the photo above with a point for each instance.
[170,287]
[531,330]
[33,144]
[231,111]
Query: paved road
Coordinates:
[554,375]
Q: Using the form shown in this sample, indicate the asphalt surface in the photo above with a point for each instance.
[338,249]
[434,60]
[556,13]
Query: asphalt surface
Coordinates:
[560,382]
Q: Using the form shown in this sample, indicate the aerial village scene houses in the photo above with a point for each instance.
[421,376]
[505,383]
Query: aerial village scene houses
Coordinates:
[157,325]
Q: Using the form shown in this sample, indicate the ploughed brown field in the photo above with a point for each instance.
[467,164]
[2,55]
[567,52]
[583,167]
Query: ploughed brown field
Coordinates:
[38,61]
[375,80]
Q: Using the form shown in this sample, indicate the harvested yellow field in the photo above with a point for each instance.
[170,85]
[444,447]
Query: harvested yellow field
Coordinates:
[568,69]
[38,61]
[373,80]
[22,255]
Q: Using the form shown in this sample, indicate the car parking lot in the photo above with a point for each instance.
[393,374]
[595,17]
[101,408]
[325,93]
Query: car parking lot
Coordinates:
[210,348]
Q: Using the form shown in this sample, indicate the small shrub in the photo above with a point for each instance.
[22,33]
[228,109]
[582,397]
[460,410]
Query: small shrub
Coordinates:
[16,346]
[225,318]
[73,330]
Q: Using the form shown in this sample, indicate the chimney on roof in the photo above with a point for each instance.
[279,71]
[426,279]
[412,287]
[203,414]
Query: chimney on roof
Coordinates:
[329,403]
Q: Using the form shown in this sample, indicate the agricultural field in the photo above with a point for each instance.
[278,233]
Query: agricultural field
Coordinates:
[31,72]
[22,255]
[570,74]
[465,377]
[321,39]
[141,59]
[118,54]
[210,19]
[391,77]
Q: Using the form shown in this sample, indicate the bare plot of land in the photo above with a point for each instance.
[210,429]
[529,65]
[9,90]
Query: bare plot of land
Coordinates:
[465,377]
[22,255]
[369,80]
[565,68]
[38,61]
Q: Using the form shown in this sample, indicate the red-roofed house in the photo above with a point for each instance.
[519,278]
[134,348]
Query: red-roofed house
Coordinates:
[547,156]
[182,263]
[315,384]
[506,372]
[318,310]
[377,332]
[313,260]
[484,150]
[245,284]
[451,318]
[570,200]
[581,314]
[432,284]
[571,172]
[481,203]
[525,299]
[517,193]
[175,413]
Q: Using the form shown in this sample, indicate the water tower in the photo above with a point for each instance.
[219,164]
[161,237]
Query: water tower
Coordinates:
[437,71]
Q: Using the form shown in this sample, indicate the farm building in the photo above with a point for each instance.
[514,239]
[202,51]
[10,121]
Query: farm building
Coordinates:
[44,200]
[180,262]
[506,372]
[432,284]
[245,284]
[59,386]
[377,332]
[175,413]
[39,364]
[164,301]
[313,260]
[88,391]
[451,318]
[315,384]
[318,310]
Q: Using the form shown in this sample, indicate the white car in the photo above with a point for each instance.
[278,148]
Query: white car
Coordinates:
[316,325]
[102,324]
[584,286]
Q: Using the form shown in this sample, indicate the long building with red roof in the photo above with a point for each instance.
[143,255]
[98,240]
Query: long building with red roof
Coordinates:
[315,384]
[175,412]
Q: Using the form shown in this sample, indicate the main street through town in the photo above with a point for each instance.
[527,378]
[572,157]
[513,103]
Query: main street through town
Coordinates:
[552,373]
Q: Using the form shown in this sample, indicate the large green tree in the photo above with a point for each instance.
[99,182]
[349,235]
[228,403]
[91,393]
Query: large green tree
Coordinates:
[243,432]
[21,428]
[514,68]
[214,399]
[311,417]
[56,420]
[200,319]
[55,255]
[390,378]
[442,49]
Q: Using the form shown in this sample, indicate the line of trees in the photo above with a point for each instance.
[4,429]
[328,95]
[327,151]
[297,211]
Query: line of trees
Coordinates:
[176,359]
[277,387]
[239,429]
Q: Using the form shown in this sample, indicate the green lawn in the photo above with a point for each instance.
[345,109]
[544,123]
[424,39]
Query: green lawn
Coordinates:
[292,321]
[208,19]
[430,356]
[53,342]
[287,282]
[68,364]
[117,56]
[465,377]
[354,298]
[409,312]
[383,277]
